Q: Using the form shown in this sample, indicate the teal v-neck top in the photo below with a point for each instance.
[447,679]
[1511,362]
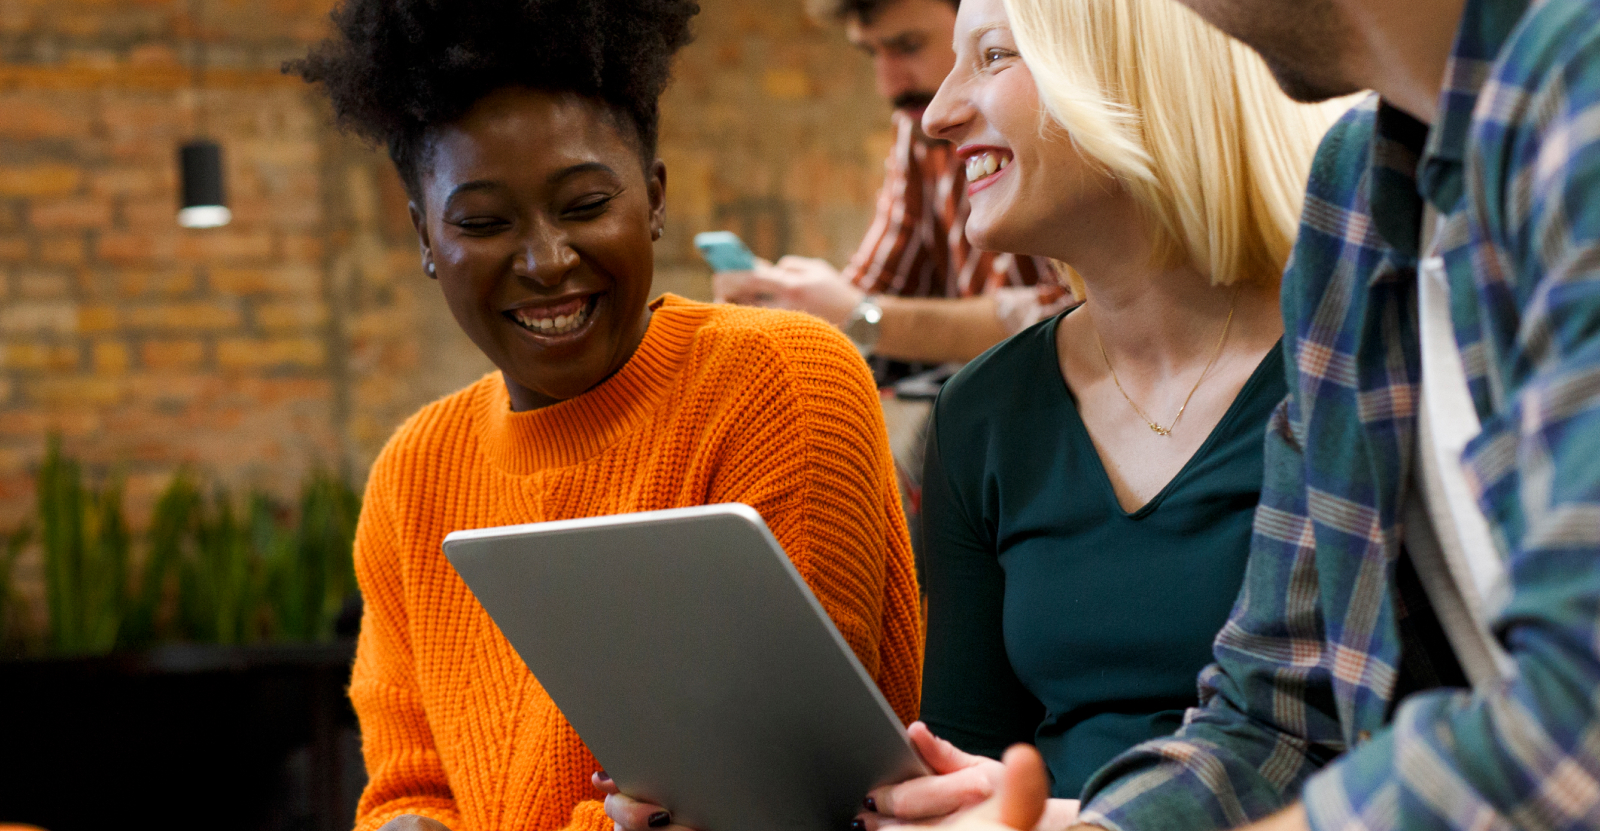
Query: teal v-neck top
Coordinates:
[1054,616]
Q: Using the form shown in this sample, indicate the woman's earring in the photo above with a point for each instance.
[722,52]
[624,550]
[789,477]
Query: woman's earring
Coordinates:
[432,272]
[655,233]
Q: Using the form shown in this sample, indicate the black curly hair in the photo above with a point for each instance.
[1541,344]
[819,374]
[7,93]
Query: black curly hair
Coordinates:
[395,68]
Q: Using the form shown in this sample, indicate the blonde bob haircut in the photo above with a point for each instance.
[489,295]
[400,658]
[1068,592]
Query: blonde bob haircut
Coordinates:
[1187,119]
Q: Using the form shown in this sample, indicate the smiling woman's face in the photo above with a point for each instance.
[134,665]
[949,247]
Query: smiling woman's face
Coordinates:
[538,220]
[1024,185]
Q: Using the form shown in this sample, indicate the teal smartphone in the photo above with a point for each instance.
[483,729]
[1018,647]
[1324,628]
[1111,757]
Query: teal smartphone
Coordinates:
[724,251]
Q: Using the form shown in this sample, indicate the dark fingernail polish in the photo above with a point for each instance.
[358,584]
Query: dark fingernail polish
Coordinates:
[871,804]
[659,819]
[604,777]
[858,825]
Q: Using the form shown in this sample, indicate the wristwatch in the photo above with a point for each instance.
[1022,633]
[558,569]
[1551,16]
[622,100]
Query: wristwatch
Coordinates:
[863,326]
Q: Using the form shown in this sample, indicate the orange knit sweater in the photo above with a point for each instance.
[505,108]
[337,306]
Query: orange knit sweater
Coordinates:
[719,404]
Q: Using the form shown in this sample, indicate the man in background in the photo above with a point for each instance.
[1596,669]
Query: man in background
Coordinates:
[915,292]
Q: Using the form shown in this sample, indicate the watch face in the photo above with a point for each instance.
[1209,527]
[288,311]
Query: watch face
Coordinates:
[862,327]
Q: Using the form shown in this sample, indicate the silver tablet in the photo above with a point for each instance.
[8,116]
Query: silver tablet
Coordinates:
[694,662]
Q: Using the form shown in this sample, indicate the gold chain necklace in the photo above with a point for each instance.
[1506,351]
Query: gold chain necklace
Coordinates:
[1215,351]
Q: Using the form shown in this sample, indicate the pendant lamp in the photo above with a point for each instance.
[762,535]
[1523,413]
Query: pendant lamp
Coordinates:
[204,202]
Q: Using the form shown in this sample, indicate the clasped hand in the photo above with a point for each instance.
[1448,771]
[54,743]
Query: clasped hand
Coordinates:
[798,283]
[969,791]
[965,793]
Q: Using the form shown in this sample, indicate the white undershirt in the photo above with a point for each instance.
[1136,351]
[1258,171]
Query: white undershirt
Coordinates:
[1451,545]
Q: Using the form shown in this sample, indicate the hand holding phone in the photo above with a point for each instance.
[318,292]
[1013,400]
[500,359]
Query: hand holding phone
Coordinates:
[724,251]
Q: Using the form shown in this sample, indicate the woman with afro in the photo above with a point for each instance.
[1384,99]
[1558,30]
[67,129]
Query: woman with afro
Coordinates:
[525,134]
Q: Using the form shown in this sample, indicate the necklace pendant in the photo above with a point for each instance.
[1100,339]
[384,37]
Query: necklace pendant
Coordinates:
[1161,431]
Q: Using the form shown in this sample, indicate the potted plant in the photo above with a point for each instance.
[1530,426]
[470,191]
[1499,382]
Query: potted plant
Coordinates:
[197,668]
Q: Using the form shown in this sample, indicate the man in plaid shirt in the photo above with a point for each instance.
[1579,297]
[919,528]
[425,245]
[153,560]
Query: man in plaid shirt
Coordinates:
[1334,702]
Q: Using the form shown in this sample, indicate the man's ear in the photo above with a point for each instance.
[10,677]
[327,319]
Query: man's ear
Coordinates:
[420,223]
[656,180]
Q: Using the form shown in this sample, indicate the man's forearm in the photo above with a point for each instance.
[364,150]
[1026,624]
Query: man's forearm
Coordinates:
[936,330]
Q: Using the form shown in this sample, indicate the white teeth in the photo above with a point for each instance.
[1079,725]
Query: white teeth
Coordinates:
[558,325]
[984,165]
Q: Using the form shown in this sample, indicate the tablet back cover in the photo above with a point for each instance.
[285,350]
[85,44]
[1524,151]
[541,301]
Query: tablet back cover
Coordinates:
[694,662]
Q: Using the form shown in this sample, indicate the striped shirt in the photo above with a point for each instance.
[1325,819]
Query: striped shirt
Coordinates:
[1308,696]
[917,245]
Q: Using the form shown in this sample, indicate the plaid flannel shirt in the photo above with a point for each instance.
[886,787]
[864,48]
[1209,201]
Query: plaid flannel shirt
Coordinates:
[1307,697]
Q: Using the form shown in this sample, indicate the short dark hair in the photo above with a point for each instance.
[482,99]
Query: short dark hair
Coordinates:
[863,10]
[395,68]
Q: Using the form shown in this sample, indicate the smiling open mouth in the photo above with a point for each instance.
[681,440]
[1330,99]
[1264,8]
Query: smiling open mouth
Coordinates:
[983,165]
[559,319]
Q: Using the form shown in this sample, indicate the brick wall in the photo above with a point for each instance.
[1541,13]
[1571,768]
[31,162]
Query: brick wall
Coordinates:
[304,332]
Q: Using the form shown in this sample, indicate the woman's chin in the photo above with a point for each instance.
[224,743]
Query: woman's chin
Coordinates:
[989,236]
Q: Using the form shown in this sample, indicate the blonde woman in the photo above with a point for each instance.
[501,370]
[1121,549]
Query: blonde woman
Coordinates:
[1091,482]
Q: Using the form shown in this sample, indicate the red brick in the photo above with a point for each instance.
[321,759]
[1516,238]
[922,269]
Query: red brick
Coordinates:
[183,317]
[16,508]
[239,353]
[111,358]
[97,319]
[39,180]
[291,315]
[166,387]
[77,391]
[15,249]
[145,115]
[29,423]
[34,115]
[124,148]
[288,280]
[138,282]
[44,285]
[224,245]
[394,206]
[156,213]
[12,462]
[172,354]
[275,391]
[38,356]
[400,264]
[153,54]
[76,213]
[137,182]
[291,165]
[282,213]
[302,248]
[30,317]
[63,249]
[121,248]
[786,84]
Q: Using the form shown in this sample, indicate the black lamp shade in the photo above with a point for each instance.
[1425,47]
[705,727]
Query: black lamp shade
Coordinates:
[204,200]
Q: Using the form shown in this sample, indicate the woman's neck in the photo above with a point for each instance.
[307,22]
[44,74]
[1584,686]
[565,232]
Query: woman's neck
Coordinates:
[1157,318]
[1149,316]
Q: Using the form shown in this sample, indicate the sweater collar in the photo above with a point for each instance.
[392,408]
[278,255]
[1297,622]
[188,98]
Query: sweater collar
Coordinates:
[577,429]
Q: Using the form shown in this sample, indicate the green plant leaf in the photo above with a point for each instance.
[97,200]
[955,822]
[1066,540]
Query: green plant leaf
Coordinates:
[208,572]
[171,531]
[15,542]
